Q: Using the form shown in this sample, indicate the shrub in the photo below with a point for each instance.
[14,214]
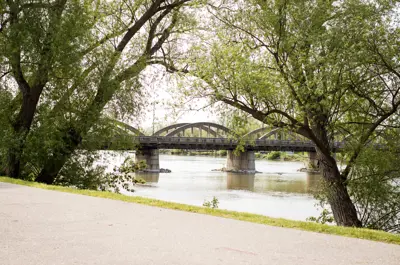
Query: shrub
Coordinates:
[274,155]
[213,204]
[325,217]
[79,172]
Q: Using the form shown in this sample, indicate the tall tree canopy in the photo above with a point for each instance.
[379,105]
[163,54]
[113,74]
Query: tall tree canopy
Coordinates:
[64,61]
[327,70]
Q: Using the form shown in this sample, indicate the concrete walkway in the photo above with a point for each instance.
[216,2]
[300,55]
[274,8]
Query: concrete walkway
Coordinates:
[47,227]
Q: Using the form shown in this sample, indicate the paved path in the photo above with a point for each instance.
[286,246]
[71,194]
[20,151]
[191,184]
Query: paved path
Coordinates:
[47,227]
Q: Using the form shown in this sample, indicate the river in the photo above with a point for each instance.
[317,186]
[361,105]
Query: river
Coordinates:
[279,191]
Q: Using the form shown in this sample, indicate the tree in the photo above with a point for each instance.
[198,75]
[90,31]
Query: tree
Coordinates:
[323,69]
[86,53]
[31,39]
[374,185]
[162,18]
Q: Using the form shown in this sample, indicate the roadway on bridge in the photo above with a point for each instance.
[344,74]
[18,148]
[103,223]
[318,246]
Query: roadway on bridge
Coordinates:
[47,227]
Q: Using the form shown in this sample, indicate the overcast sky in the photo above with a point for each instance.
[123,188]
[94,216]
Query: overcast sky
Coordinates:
[167,103]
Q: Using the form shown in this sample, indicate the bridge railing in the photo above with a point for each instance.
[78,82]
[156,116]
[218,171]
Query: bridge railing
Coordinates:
[219,141]
[172,142]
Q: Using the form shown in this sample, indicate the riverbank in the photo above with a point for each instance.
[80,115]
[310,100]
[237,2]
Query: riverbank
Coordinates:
[255,218]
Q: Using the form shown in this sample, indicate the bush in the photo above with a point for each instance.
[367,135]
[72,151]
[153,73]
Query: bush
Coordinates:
[79,172]
[213,204]
[222,152]
[274,155]
[374,186]
[325,217]
[258,155]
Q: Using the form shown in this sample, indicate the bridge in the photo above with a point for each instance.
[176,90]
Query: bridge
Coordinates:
[212,136]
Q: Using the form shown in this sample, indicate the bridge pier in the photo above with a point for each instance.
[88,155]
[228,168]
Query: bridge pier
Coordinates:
[151,157]
[243,162]
[313,162]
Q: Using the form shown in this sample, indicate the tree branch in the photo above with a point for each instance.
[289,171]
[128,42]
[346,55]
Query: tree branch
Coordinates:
[364,138]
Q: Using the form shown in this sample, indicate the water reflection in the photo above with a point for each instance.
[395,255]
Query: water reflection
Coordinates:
[313,182]
[279,183]
[261,183]
[149,177]
[235,181]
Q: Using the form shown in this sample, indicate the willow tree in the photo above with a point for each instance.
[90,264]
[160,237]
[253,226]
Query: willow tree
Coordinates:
[327,70]
[39,43]
[151,24]
[69,59]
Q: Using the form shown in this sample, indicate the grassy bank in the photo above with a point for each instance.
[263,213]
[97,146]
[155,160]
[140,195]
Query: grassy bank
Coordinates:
[282,156]
[260,219]
[219,153]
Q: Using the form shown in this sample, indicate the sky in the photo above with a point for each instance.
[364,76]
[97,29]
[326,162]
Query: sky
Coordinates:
[164,105]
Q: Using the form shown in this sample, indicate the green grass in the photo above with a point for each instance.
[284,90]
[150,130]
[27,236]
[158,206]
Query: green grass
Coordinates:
[254,218]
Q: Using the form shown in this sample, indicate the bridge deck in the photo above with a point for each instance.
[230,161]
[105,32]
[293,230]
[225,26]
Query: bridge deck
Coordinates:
[198,143]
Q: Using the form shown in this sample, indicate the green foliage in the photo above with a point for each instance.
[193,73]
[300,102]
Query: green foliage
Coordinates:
[124,176]
[294,157]
[129,166]
[274,155]
[139,180]
[79,172]
[213,204]
[325,217]
[71,60]
[278,155]
[312,166]
[221,153]
[326,70]
[374,185]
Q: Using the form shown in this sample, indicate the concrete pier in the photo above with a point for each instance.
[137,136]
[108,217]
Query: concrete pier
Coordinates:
[151,157]
[313,162]
[242,162]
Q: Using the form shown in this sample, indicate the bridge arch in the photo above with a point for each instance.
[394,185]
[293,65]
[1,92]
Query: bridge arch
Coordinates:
[209,130]
[200,125]
[121,127]
[170,127]
[276,131]
[269,132]
[255,132]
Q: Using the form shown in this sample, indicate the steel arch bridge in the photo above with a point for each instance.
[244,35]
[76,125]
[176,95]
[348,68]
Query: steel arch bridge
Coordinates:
[213,136]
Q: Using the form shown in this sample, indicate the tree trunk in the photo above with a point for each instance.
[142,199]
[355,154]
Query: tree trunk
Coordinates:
[21,129]
[343,209]
[52,167]
[13,163]
[70,141]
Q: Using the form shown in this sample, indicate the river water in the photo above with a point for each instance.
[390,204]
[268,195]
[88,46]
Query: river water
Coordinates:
[279,191]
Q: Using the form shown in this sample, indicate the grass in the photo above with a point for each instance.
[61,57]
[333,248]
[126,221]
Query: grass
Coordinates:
[248,217]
